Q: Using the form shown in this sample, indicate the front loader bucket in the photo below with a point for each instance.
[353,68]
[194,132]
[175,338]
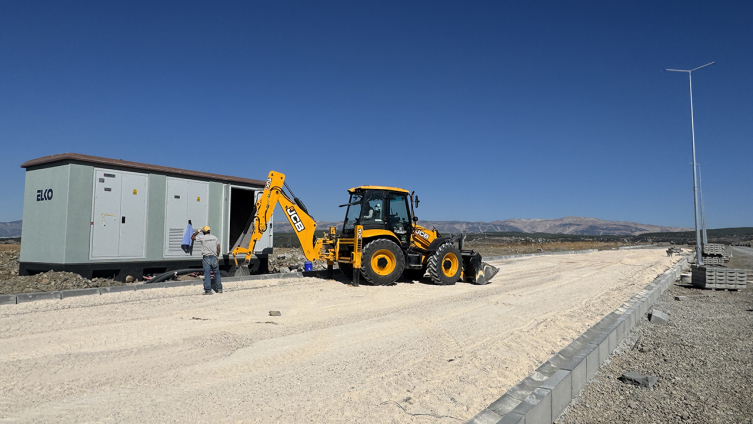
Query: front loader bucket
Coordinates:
[486,274]
[476,271]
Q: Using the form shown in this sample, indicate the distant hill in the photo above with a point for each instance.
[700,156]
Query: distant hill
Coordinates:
[568,225]
[10,229]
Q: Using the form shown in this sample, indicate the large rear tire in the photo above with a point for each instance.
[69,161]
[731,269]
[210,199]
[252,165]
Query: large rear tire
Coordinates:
[382,262]
[445,265]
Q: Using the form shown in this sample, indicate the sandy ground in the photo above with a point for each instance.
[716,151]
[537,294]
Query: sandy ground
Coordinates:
[408,353]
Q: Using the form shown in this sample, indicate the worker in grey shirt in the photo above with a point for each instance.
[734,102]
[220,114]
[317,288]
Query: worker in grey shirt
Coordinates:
[210,250]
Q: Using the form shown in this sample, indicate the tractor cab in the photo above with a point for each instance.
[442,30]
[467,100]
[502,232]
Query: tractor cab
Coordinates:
[379,208]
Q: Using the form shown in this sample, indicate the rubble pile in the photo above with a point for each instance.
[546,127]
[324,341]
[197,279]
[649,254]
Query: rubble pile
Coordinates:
[12,283]
[282,261]
[9,263]
[51,281]
[285,260]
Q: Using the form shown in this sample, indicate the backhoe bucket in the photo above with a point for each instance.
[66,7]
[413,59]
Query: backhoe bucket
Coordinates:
[242,270]
[476,271]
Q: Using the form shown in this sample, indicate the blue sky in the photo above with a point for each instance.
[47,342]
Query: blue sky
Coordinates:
[488,110]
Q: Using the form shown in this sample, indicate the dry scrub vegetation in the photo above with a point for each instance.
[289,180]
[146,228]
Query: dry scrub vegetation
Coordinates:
[496,247]
[10,247]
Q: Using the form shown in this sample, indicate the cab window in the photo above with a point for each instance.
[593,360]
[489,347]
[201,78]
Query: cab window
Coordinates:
[399,219]
[354,211]
[373,211]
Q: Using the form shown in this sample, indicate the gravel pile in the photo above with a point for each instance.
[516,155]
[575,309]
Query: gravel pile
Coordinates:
[703,358]
[12,283]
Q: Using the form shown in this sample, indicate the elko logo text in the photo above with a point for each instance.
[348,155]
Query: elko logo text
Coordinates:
[44,195]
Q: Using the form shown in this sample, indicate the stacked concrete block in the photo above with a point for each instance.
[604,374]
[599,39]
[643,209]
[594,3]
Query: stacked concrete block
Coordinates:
[719,277]
[713,249]
[713,260]
[714,254]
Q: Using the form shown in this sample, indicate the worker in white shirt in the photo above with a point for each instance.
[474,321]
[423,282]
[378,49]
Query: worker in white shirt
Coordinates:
[210,250]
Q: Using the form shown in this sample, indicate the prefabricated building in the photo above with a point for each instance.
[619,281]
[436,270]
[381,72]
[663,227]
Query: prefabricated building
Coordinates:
[102,217]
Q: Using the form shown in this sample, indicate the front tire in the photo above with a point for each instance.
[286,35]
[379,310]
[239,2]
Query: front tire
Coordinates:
[382,262]
[445,265]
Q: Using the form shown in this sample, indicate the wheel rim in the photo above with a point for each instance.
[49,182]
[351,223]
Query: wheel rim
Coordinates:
[450,265]
[383,262]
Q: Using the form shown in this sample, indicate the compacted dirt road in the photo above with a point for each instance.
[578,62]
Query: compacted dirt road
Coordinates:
[407,353]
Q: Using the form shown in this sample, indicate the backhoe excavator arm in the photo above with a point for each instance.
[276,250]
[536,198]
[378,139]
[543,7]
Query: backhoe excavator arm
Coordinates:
[303,224]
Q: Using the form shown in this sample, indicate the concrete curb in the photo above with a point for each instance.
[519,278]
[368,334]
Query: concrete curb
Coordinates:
[8,299]
[32,297]
[79,292]
[542,396]
[13,299]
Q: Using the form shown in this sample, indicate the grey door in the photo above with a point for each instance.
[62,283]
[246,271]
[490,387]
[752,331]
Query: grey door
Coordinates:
[119,215]
[132,216]
[106,216]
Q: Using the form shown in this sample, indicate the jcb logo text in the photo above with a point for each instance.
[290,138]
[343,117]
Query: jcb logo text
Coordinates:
[295,220]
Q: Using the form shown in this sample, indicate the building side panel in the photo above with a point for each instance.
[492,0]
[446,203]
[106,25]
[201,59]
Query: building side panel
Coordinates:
[176,216]
[155,234]
[266,240]
[214,211]
[45,214]
[198,203]
[78,229]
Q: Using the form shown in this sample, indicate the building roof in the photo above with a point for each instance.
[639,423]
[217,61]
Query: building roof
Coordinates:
[95,160]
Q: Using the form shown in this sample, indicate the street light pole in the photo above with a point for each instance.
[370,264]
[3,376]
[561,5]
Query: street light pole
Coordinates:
[699,252]
[703,206]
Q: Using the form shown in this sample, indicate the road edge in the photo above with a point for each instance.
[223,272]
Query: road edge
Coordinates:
[541,397]
[11,299]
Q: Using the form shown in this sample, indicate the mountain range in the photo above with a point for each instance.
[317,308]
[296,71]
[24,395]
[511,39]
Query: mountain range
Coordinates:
[10,229]
[567,225]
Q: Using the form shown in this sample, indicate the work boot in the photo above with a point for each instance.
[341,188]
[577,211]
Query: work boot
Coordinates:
[206,292]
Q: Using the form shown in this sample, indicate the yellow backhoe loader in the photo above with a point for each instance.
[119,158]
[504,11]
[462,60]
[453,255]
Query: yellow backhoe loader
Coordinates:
[380,239]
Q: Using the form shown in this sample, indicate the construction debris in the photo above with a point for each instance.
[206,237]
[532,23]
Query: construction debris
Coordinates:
[658,317]
[638,379]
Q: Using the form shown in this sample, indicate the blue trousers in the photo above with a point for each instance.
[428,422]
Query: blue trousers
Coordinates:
[210,264]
